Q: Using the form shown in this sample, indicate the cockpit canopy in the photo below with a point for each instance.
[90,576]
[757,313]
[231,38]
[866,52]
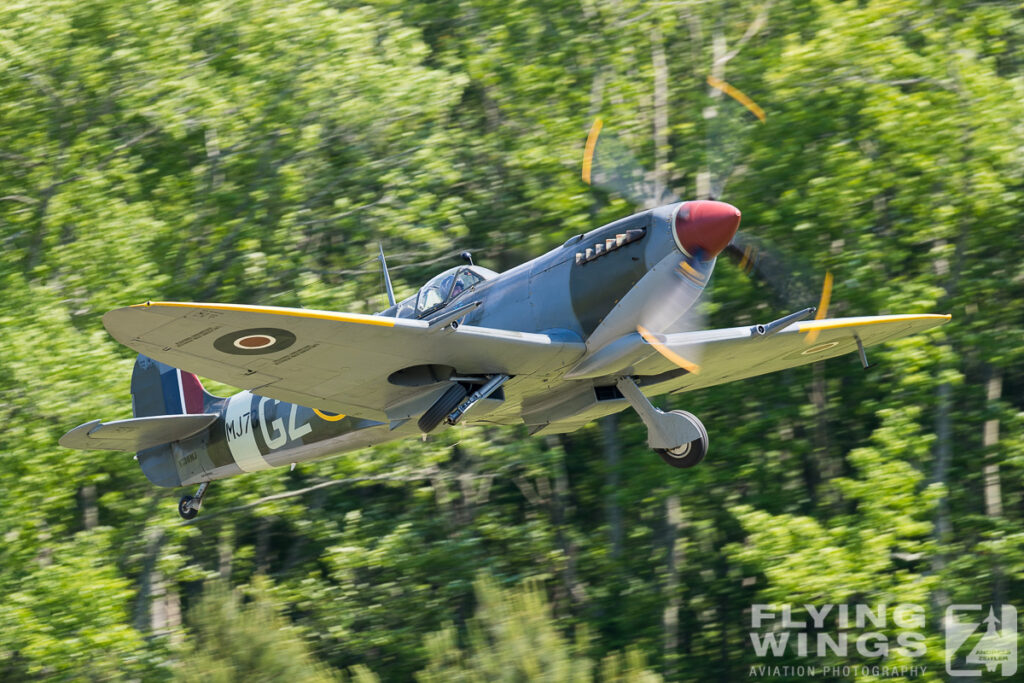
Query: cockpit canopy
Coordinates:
[439,291]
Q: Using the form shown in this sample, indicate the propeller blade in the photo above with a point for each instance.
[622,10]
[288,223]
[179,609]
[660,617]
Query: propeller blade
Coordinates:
[681,307]
[727,129]
[737,95]
[656,342]
[588,151]
[609,165]
[826,296]
[784,278]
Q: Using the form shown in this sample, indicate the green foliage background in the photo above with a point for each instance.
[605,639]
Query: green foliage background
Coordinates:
[255,151]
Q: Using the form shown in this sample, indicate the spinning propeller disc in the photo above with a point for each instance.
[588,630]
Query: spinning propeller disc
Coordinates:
[617,170]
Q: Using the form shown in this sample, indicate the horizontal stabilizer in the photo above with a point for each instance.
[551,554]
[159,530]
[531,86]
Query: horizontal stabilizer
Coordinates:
[136,434]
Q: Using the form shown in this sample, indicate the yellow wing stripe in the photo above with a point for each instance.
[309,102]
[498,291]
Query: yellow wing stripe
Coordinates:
[293,312]
[819,325]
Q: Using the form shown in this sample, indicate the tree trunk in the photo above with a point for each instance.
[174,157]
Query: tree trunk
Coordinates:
[943,457]
[661,148]
[819,466]
[90,514]
[944,417]
[990,439]
[612,457]
[226,550]
[159,595]
[149,577]
[710,113]
[558,511]
[673,558]
[993,487]
[262,549]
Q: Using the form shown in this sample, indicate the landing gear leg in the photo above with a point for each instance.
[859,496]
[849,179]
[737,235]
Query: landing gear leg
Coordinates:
[188,506]
[678,437]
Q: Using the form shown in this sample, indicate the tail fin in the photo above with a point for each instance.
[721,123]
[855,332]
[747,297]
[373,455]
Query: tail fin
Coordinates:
[159,389]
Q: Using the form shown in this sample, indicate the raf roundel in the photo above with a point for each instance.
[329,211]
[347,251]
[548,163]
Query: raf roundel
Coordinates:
[255,341]
[819,348]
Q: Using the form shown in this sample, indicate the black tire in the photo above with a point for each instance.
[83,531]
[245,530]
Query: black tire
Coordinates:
[689,454]
[185,509]
[442,407]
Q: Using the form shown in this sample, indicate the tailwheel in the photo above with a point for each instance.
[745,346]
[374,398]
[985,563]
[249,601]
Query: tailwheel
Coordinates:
[188,506]
[688,454]
[185,508]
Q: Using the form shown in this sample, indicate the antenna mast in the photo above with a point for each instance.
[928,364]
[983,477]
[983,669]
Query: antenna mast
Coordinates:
[387,278]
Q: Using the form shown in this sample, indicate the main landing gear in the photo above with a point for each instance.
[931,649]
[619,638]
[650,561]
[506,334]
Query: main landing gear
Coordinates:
[677,436]
[188,506]
[454,402]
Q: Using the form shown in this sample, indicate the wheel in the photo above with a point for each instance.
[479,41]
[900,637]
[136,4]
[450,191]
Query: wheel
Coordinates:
[185,508]
[689,454]
[442,407]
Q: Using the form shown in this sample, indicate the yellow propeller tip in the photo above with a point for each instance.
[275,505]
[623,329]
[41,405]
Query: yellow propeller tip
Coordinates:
[668,353]
[588,151]
[737,95]
[826,297]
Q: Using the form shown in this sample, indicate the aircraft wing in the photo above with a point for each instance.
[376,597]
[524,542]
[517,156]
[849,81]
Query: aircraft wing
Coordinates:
[731,354]
[338,362]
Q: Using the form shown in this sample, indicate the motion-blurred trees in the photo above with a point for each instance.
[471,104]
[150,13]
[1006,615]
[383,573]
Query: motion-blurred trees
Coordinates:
[511,637]
[256,151]
[235,641]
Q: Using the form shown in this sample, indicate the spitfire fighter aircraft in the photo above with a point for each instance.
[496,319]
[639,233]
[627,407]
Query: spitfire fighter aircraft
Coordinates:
[590,328]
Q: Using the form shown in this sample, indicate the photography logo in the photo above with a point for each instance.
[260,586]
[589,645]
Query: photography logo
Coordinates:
[995,650]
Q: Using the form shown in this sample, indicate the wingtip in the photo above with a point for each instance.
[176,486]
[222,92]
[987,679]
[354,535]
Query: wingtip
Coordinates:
[77,438]
[150,304]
